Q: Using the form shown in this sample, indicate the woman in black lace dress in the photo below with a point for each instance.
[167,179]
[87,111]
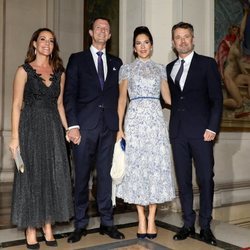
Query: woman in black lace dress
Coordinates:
[42,193]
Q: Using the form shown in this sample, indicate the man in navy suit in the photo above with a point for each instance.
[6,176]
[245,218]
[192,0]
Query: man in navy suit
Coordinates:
[196,108]
[91,99]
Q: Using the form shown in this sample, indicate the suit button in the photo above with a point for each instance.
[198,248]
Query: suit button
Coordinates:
[182,97]
[101,106]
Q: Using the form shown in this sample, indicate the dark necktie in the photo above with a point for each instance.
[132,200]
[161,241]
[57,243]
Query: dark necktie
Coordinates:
[100,68]
[179,73]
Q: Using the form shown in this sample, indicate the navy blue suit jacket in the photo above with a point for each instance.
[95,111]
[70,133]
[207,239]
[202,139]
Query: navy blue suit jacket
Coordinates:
[199,106]
[83,94]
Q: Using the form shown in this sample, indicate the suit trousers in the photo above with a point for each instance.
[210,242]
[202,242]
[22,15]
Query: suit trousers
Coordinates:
[96,147]
[187,151]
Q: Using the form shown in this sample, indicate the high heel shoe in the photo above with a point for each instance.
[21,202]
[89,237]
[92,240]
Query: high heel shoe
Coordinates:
[49,243]
[141,236]
[151,236]
[31,246]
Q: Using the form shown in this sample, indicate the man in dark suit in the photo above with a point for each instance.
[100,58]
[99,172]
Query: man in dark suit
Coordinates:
[91,99]
[196,109]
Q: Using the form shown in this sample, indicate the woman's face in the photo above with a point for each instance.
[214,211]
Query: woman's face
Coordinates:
[143,47]
[44,44]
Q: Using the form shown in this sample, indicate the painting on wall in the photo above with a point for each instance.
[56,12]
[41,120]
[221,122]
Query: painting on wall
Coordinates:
[102,8]
[232,53]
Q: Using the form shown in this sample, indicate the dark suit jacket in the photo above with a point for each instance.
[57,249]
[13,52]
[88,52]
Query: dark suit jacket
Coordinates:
[199,106]
[83,95]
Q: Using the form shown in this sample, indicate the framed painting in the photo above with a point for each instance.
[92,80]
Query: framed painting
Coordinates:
[232,53]
[103,8]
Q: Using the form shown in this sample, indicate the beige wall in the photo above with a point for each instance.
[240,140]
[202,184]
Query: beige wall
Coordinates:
[232,161]
[19,18]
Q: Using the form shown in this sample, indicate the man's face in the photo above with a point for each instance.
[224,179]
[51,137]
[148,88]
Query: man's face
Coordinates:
[183,41]
[101,32]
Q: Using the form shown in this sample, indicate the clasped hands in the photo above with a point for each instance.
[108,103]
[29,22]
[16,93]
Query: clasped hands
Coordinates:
[73,135]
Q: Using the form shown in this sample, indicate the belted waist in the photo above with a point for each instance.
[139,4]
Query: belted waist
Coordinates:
[144,97]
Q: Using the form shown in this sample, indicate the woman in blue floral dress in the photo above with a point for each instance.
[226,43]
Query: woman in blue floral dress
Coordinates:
[148,179]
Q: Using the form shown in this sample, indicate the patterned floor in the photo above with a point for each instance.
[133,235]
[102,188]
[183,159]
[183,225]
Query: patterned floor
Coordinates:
[95,241]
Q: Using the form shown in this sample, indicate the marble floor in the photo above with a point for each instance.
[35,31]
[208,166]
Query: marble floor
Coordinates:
[229,236]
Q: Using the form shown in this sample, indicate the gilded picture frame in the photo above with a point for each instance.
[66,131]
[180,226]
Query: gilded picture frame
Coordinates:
[232,23]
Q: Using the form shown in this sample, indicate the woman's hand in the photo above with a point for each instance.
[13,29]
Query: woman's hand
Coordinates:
[120,135]
[74,135]
[14,146]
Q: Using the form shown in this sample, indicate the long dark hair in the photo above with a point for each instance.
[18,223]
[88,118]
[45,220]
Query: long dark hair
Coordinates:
[141,30]
[54,60]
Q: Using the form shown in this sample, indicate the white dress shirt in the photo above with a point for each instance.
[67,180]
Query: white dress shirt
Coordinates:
[186,66]
[104,59]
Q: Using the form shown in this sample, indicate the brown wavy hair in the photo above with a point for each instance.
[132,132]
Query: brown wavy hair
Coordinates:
[54,60]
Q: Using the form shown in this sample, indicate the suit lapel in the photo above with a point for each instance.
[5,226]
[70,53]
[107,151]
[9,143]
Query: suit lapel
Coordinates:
[92,68]
[170,78]
[110,69]
[191,71]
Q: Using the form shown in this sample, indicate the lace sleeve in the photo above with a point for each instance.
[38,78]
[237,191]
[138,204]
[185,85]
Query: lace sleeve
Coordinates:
[124,72]
[163,72]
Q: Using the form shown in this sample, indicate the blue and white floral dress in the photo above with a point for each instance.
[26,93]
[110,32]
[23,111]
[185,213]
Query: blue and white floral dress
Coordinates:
[148,178]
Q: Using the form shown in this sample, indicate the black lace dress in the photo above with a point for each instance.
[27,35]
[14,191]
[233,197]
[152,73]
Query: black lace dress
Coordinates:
[42,194]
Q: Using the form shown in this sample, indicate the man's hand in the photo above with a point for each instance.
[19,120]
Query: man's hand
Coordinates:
[209,135]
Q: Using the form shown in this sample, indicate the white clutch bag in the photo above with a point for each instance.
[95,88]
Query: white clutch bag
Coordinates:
[118,167]
[19,161]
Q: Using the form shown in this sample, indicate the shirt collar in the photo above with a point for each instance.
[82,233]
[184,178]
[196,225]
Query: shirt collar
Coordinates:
[188,58]
[94,50]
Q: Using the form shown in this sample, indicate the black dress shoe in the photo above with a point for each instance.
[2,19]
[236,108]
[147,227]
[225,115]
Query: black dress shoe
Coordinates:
[208,237]
[33,246]
[112,232]
[184,233]
[77,235]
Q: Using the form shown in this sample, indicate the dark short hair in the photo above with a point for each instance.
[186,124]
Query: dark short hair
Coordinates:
[91,26]
[141,30]
[182,25]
